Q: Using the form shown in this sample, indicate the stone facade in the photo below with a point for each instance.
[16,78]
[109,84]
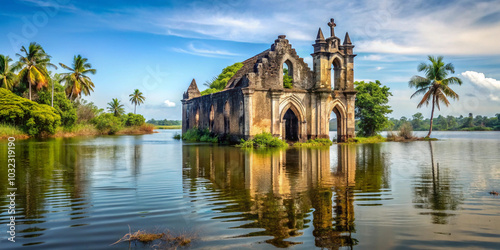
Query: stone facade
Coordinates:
[255,100]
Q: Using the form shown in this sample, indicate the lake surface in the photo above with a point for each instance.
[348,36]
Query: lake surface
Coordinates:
[84,193]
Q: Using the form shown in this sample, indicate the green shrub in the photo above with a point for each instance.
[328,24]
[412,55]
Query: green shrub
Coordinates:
[406,131]
[319,142]
[202,135]
[177,137]
[63,106]
[31,117]
[107,123]
[263,140]
[132,119]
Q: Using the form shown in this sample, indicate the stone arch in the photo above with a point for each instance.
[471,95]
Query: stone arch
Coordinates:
[340,111]
[296,103]
[336,71]
[227,113]
[211,118]
[197,118]
[292,119]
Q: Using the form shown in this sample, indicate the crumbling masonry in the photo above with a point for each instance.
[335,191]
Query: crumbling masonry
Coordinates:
[255,100]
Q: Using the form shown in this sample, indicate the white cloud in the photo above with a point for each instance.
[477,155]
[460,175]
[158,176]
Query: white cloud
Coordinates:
[480,80]
[169,104]
[379,68]
[206,51]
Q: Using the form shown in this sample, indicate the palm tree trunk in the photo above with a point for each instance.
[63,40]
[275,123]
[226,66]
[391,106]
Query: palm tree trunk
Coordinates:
[30,89]
[432,115]
[135,106]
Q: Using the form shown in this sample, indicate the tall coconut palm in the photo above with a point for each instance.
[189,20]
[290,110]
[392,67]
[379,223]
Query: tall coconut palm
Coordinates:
[137,98]
[7,76]
[33,65]
[77,80]
[435,85]
[116,107]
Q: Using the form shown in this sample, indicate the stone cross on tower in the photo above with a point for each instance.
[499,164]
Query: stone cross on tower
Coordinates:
[332,25]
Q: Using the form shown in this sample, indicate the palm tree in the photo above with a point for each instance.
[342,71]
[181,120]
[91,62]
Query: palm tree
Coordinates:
[77,80]
[137,98]
[7,76]
[434,86]
[116,107]
[33,67]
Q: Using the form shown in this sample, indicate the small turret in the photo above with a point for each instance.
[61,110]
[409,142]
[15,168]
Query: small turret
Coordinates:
[320,37]
[347,39]
[192,91]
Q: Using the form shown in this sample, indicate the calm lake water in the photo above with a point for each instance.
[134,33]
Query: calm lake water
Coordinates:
[84,193]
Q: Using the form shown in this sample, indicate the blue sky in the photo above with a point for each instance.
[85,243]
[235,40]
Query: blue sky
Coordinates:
[159,46]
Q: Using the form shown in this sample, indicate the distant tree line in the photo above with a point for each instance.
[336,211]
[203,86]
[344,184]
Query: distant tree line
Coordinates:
[164,122]
[442,123]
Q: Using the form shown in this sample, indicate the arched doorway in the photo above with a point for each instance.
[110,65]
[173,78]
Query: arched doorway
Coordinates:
[291,123]
[337,119]
[211,118]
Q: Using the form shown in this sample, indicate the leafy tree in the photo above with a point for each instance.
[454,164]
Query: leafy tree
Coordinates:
[116,107]
[77,80]
[33,67]
[33,118]
[287,79]
[137,98]
[219,83]
[133,120]
[107,123]
[63,106]
[435,85]
[7,76]
[371,107]
[86,111]
[417,120]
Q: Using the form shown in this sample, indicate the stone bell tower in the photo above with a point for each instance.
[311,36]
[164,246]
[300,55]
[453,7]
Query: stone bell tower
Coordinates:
[330,57]
[333,68]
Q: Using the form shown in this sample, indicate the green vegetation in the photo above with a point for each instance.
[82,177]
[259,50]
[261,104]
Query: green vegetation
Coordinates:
[434,86]
[33,118]
[371,139]
[201,135]
[70,115]
[169,127]
[165,122]
[320,142]
[77,80]
[287,79]
[137,98]
[371,107]
[219,83]
[263,140]
[33,67]
[7,131]
[7,76]
[177,136]
[449,123]
[116,107]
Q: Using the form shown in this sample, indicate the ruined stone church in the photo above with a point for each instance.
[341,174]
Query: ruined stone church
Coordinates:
[255,99]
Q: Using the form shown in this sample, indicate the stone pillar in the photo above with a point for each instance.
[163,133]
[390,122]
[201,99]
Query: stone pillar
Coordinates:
[184,118]
[313,133]
[248,109]
[350,112]
[323,115]
[275,113]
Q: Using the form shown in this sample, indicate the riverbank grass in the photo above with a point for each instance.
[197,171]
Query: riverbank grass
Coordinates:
[313,143]
[7,131]
[168,127]
[371,139]
[263,140]
[197,135]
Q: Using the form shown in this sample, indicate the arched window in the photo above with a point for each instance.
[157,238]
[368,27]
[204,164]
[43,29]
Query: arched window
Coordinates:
[287,74]
[226,117]
[211,118]
[335,74]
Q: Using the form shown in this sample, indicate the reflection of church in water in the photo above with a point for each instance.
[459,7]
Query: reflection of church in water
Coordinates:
[277,191]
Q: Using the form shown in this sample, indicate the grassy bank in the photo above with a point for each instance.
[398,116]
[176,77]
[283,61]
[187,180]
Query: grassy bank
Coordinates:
[314,143]
[371,139]
[263,140]
[83,129]
[7,131]
[168,127]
